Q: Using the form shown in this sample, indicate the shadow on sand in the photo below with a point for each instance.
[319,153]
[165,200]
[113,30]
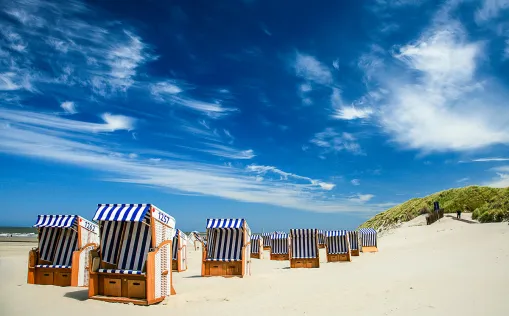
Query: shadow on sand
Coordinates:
[81,295]
[461,219]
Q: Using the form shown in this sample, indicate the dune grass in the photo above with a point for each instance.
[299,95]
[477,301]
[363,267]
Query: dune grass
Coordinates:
[486,204]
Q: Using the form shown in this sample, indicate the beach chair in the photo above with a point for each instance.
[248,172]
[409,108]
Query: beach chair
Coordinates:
[61,257]
[337,246]
[353,238]
[228,249]
[257,247]
[134,261]
[321,239]
[266,241]
[179,257]
[368,237]
[197,240]
[279,246]
[304,248]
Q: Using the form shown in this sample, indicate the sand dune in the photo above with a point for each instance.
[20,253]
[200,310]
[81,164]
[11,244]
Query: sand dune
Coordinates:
[449,268]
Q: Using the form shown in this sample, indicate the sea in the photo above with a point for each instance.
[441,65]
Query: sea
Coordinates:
[18,232]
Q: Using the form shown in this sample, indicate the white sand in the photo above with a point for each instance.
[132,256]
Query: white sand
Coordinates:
[448,268]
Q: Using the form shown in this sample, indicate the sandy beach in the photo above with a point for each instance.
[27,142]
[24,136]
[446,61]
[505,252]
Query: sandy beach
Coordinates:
[449,268]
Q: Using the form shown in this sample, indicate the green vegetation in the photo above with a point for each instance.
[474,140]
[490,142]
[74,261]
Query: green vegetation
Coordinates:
[486,204]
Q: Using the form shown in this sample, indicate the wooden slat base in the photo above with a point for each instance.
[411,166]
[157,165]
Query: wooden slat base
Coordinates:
[339,257]
[266,247]
[225,269]
[321,246]
[305,263]
[256,255]
[125,300]
[279,257]
[369,249]
[51,276]
[355,252]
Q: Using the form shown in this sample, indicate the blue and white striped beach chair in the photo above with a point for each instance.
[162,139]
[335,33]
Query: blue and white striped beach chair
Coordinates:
[228,249]
[257,246]
[134,261]
[279,246]
[266,241]
[179,257]
[304,248]
[368,237]
[61,258]
[321,239]
[337,246]
[353,238]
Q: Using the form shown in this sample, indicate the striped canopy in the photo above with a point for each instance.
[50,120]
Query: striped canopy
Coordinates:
[224,223]
[332,233]
[353,236]
[279,235]
[304,243]
[121,212]
[368,237]
[367,231]
[255,237]
[337,242]
[62,221]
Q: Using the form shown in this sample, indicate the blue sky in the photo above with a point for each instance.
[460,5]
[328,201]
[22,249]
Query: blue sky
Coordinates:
[288,114]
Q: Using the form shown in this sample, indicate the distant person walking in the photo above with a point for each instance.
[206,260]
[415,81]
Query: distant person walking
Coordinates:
[458,214]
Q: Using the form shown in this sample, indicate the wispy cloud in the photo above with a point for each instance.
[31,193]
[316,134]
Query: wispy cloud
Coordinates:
[264,170]
[310,69]
[352,113]
[69,107]
[332,141]
[361,198]
[490,9]
[110,123]
[172,93]
[85,55]
[494,159]
[356,182]
[463,180]
[252,184]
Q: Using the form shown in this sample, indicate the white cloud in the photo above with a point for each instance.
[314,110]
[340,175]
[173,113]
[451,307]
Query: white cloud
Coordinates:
[170,92]
[332,141]
[100,57]
[34,139]
[356,182]
[263,170]
[490,9]
[438,101]
[361,198]
[69,107]
[310,69]
[502,181]
[111,122]
[352,113]
[335,64]
[160,89]
[462,180]
[487,159]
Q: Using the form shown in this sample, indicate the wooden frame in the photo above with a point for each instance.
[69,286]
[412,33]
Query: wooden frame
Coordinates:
[369,249]
[180,264]
[134,288]
[339,257]
[77,275]
[229,268]
[259,254]
[306,262]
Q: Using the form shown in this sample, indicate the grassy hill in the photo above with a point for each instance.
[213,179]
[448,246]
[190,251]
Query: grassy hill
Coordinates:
[487,204]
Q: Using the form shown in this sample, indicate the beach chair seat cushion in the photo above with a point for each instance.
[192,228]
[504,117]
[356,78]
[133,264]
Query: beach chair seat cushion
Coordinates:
[52,266]
[119,271]
[225,260]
